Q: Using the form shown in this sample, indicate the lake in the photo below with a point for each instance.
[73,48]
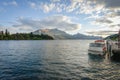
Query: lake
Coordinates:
[53,60]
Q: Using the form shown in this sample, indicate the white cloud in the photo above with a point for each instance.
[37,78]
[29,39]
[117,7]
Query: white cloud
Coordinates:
[72,7]
[55,7]
[55,0]
[13,3]
[105,15]
[32,5]
[79,6]
[109,20]
[47,7]
[60,22]
[77,0]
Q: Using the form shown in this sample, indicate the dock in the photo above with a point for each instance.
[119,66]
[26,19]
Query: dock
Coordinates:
[113,48]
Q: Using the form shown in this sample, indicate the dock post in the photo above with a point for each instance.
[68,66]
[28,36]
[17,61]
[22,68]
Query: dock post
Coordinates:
[109,49]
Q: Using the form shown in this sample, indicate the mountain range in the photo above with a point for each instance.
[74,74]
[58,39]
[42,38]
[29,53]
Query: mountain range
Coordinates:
[58,34]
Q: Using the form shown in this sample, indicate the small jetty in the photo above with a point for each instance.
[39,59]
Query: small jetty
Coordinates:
[113,48]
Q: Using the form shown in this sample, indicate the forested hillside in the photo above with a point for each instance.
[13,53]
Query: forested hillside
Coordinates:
[23,36]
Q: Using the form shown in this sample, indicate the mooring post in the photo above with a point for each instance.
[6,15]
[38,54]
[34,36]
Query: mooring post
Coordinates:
[119,39]
[109,49]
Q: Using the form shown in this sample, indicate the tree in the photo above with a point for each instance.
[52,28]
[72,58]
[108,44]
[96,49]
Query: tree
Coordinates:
[1,35]
[6,32]
[23,36]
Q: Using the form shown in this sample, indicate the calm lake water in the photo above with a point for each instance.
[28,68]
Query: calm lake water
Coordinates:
[53,60]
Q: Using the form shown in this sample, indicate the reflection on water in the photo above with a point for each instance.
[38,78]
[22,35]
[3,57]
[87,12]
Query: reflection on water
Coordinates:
[53,60]
[105,69]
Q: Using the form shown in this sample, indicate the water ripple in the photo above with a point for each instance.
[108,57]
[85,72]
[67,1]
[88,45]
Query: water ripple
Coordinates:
[53,60]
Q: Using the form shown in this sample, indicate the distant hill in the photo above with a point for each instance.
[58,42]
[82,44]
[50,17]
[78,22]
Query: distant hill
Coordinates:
[113,37]
[58,34]
[82,36]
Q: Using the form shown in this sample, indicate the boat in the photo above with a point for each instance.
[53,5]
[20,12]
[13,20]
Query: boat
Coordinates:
[97,48]
[109,48]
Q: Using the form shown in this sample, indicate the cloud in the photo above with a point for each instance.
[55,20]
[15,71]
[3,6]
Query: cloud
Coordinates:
[55,0]
[47,7]
[116,25]
[109,3]
[113,14]
[54,5]
[60,22]
[103,31]
[78,6]
[72,7]
[77,0]
[104,14]
[13,3]
[32,5]
[95,6]
[103,21]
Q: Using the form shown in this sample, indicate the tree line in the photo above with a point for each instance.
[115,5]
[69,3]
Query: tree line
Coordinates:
[23,36]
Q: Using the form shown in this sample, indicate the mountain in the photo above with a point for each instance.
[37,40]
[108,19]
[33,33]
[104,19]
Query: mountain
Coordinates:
[82,36]
[55,33]
[58,34]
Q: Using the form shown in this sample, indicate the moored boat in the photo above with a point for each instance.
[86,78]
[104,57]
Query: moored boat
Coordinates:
[97,47]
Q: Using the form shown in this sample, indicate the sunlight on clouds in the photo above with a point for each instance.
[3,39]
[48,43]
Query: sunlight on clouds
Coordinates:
[59,21]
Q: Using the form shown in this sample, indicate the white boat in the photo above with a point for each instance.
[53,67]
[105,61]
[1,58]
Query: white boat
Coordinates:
[97,47]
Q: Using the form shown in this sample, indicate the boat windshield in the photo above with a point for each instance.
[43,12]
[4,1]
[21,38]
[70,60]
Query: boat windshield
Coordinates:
[96,45]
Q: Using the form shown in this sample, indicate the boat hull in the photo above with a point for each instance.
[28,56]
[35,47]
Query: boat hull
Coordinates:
[93,52]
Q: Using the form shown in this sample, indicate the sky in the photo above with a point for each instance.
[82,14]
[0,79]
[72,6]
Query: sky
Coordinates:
[96,17]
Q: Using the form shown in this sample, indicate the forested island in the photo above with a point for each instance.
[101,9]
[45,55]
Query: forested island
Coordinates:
[5,35]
